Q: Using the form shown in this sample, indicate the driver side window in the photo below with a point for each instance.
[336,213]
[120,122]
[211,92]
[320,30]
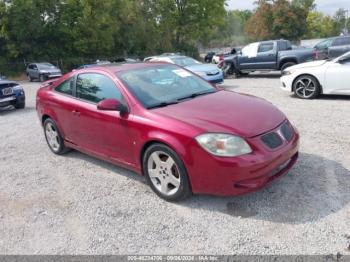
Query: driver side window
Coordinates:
[94,88]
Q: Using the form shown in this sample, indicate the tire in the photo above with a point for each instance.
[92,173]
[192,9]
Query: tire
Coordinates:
[53,138]
[30,79]
[42,78]
[20,105]
[168,178]
[306,87]
[286,65]
[229,71]
[243,73]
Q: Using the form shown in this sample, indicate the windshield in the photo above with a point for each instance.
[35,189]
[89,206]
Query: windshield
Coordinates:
[184,61]
[161,85]
[45,66]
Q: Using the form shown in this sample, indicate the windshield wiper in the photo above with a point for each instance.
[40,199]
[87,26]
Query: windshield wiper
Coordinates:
[163,104]
[193,95]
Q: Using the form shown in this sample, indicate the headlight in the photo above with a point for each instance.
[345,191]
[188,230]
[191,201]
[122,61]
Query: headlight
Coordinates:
[286,72]
[224,144]
[201,73]
[17,88]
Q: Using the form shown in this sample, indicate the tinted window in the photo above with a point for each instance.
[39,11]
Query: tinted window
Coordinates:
[163,84]
[283,45]
[324,44]
[96,87]
[265,47]
[66,87]
[342,41]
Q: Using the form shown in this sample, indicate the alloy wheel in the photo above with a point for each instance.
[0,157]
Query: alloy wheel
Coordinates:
[305,87]
[164,173]
[52,137]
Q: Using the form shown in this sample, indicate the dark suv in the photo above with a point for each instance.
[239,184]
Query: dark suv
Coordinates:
[11,93]
[42,71]
[332,47]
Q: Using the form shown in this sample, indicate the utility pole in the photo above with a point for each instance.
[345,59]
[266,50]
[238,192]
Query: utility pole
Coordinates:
[346,31]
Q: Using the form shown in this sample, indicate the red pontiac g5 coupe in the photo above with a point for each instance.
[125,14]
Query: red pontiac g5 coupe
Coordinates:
[162,121]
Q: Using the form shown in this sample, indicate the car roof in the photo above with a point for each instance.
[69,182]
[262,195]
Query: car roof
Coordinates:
[119,67]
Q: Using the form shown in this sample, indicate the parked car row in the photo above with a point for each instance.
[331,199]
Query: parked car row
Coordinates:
[276,55]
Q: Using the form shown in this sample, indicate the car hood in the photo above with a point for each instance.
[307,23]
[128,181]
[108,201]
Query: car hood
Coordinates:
[51,70]
[203,68]
[308,65]
[226,112]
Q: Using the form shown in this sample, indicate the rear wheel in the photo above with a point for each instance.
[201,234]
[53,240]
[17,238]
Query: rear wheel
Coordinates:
[306,87]
[166,173]
[54,138]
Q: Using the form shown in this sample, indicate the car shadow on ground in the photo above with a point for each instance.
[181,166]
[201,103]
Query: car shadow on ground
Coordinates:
[11,110]
[315,188]
[327,97]
[262,75]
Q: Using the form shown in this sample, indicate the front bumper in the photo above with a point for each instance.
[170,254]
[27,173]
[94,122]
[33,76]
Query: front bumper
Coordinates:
[287,83]
[48,76]
[227,176]
[215,79]
[17,98]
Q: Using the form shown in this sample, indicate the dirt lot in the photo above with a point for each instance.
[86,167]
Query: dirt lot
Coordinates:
[75,204]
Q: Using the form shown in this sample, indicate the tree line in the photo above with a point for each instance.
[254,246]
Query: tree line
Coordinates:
[76,30]
[274,19]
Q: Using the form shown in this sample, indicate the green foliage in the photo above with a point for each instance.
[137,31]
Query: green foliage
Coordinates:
[275,19]
[73,30]
[319,25]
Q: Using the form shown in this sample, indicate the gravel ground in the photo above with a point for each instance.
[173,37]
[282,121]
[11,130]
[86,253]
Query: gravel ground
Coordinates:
[75,204]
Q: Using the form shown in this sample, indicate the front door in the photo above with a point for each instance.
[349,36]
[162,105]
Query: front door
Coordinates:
[337,77]
[105,133]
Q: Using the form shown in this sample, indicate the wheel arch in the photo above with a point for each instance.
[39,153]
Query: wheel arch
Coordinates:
[287,60]
[162,142]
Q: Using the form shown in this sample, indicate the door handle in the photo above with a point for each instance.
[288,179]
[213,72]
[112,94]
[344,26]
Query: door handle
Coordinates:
[76,112]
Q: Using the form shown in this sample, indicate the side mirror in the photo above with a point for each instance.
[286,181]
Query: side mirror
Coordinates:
[112,105]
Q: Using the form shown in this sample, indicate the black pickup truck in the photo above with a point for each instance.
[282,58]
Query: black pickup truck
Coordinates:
[265,56]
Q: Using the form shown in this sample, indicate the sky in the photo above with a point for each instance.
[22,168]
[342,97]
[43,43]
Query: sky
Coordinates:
[328,7]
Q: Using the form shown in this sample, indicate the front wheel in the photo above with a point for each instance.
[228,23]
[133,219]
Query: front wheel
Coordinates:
[20,105]
[306,87]
[42,78]
[166,173]
[54,138]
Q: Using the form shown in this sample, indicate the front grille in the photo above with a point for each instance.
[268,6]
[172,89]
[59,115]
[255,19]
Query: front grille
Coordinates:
[287,131]
[272,140]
